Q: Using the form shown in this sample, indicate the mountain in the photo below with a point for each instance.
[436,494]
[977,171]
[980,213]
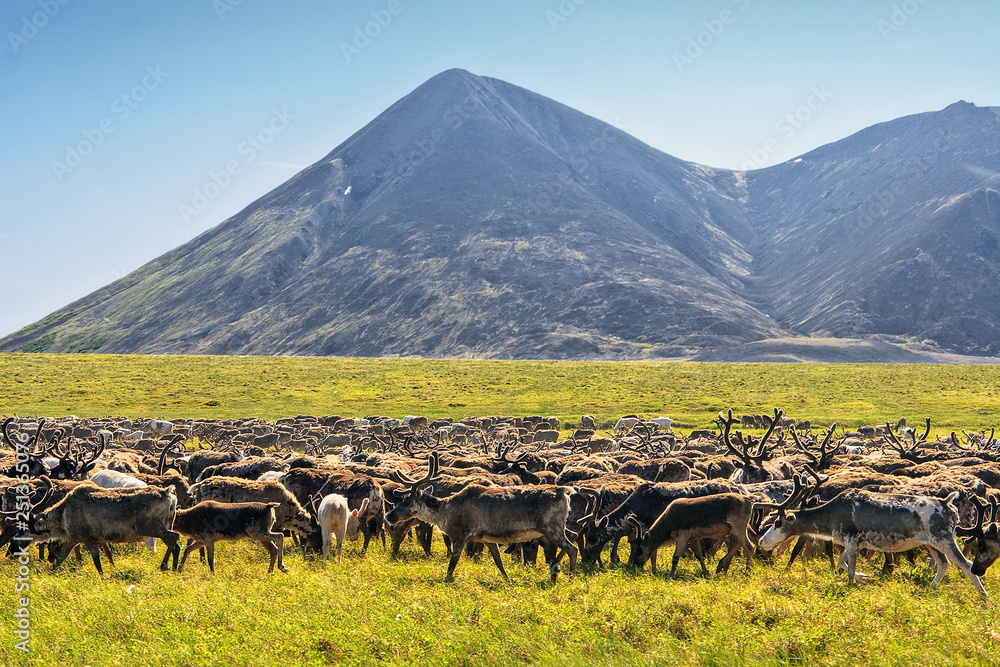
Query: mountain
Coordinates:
[893,230]
[476,218]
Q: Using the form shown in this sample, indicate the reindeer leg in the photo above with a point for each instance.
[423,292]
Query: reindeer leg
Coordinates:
[797,549]
[949,550]
[62,553]
[495,552]
[106,548]
[210,549]
[679,548]
[192,545]
[529,552]
[272,551]
[549,549]
[397,534]
[748,549]
[457,547]
[172,540]
[615,560]
[732,547]
[425,535]
[699,553]
[95,553]
[279,543]
[888,566]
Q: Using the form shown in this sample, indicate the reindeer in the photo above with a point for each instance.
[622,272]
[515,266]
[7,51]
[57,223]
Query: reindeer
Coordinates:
[209,522]
[91,516]
[646,503]
[986,538]
[336,521]
[689,521]
[752,454]
[860,519]
[825,459]
[33,466]
[204,458]
[489,515]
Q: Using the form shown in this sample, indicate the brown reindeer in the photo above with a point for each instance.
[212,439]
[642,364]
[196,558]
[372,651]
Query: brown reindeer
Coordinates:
[688,521]
[209,522]
[490,515]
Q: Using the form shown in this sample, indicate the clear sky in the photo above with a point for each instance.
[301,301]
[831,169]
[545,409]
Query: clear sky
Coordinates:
[114,115]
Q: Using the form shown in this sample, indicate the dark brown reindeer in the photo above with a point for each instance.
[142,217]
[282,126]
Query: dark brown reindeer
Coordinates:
[687,521]
[209,522]
[490,515]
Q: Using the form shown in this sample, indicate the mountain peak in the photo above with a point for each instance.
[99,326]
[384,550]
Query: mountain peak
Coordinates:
[960,105]
[476,218]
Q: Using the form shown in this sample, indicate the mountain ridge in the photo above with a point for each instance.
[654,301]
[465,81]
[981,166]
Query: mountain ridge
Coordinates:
[476,218]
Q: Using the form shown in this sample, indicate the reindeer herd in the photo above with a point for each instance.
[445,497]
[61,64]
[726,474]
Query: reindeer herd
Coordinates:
[511,483]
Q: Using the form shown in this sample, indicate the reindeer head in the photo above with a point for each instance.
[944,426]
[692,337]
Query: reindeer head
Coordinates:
[354,518]
[986,537]
[410,502]
[751,453]
[781,527]
[38,524]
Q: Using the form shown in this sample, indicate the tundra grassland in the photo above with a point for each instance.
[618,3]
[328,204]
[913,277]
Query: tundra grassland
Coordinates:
[374,610]
[169,387]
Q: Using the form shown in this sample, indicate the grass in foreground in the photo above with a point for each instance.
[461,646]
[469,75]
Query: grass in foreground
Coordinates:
[373,610]
[692,393]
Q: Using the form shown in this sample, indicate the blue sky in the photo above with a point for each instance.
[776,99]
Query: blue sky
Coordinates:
[115,114]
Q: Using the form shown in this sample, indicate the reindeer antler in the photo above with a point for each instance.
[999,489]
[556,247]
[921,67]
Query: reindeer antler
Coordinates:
[793,500]
[981,509]
[433,463]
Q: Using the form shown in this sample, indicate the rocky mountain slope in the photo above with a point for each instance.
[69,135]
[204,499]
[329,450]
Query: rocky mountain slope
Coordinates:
[475,218]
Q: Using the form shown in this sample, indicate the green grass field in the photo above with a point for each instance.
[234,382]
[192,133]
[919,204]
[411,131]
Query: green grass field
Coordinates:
[692,393]
[373,610]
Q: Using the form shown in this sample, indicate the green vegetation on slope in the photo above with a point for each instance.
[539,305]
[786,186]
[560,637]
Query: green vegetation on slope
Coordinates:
[692,393]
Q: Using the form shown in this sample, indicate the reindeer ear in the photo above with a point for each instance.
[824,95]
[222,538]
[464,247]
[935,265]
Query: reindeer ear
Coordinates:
[790,518]
[428,491]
